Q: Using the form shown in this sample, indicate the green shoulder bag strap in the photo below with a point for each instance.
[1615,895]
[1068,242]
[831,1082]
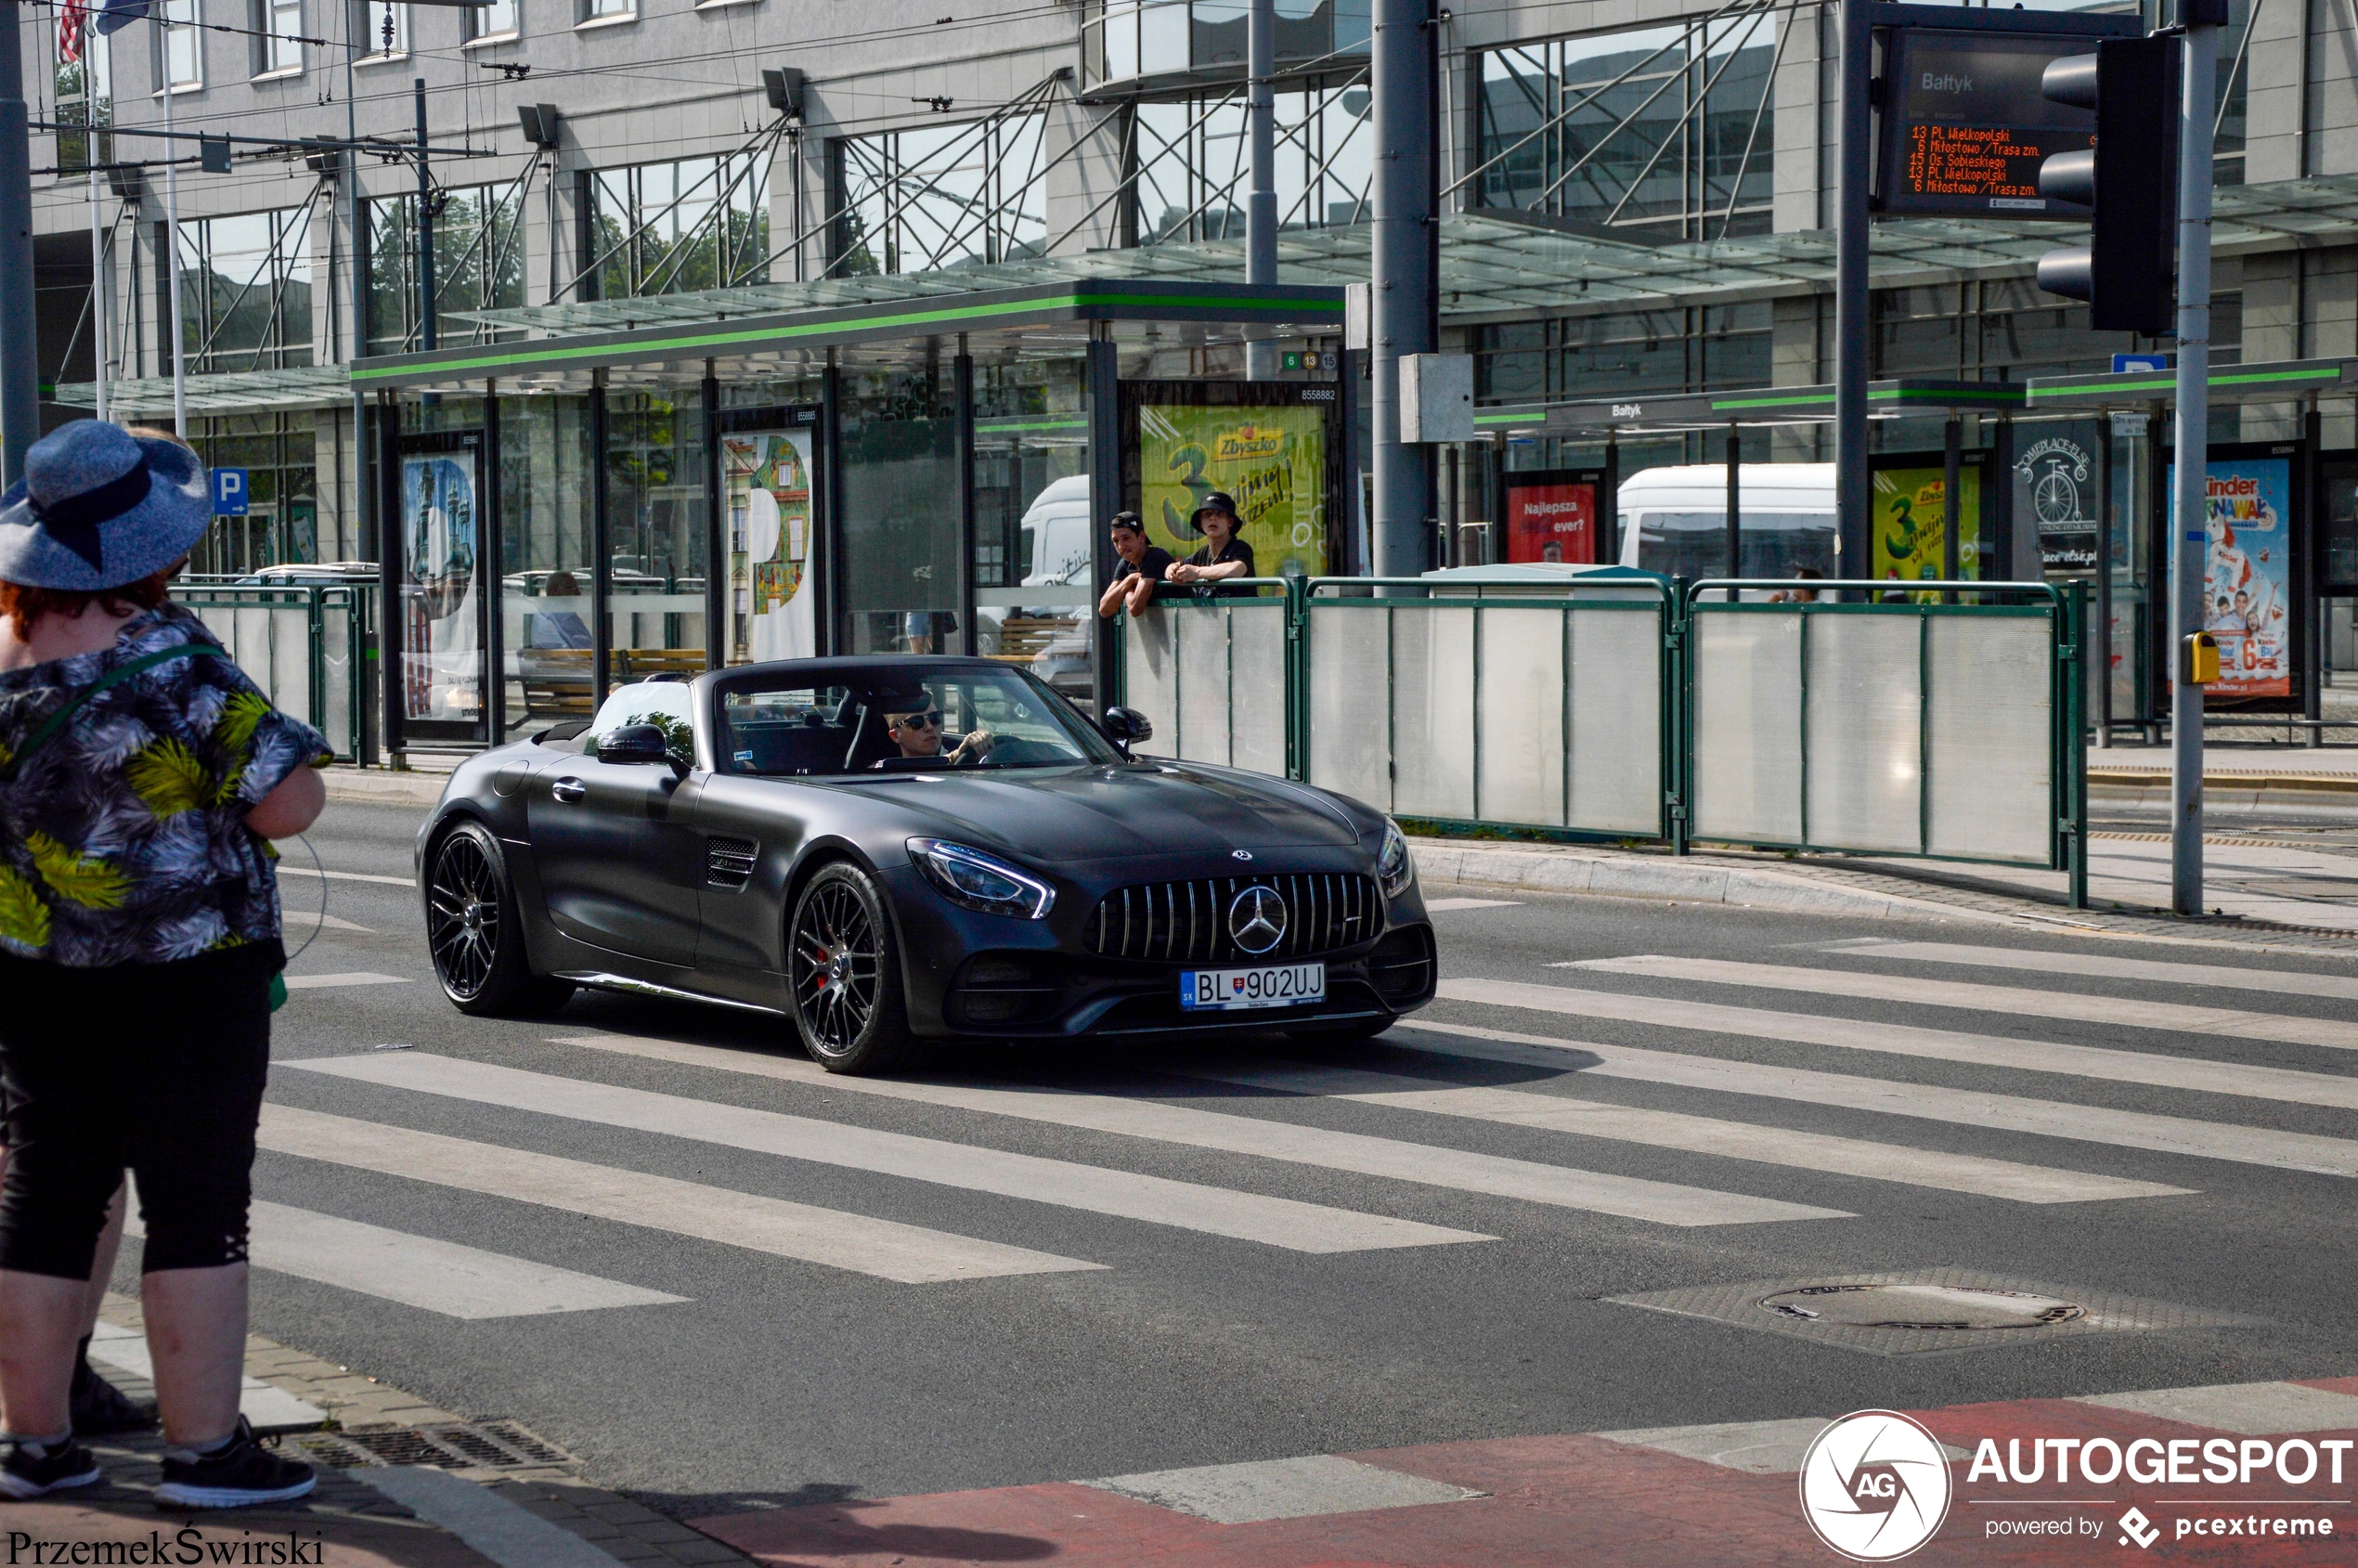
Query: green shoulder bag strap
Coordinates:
[47,730]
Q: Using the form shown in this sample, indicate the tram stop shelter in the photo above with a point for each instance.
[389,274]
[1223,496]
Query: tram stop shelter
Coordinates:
[621,490]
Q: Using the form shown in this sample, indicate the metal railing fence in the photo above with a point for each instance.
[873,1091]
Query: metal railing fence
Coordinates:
[309,648]
[1635,708]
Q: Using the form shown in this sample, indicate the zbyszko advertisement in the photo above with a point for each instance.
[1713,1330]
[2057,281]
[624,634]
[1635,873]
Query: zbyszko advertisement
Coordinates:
[1272,458]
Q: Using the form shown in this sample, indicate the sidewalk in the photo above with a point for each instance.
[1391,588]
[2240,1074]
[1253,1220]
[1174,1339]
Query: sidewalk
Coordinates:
[402,1485]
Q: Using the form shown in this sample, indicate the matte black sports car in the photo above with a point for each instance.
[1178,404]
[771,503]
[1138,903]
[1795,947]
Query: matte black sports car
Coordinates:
[900,850]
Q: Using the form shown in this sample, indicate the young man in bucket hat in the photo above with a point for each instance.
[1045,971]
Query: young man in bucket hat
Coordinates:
[1223,555]
[141,775]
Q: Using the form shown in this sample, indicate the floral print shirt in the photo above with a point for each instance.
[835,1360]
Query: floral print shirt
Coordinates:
[123,839]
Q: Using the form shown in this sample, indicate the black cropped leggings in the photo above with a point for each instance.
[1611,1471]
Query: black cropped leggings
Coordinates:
[157,1068]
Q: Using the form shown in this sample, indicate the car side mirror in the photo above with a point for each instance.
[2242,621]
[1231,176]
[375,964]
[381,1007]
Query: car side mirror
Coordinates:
[1126,727]
[639,742]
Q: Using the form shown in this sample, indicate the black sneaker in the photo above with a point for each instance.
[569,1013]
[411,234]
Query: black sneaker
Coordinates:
[32,1470]
[100,1409]
[239,1474]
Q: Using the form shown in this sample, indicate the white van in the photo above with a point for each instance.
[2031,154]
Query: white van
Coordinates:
[1056,542]
[1674,519]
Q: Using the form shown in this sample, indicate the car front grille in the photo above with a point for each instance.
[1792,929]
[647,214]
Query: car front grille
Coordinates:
[728,863]
[1188,921]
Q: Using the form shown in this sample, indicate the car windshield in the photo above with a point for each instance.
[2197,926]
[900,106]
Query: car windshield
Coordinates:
[899,719]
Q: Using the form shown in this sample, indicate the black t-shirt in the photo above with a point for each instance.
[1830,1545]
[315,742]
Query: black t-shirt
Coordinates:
[1151,566]
[1235,550]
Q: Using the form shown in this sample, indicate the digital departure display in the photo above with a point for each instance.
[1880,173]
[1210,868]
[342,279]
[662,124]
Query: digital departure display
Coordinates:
[1965,128]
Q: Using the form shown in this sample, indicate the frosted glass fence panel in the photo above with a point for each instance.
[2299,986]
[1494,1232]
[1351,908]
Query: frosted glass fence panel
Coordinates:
[1747,725]
[337,674]
[1210,674]
[1257,684]
[1350,749]
[301,645]
[1865,711]
[1150,679]
[1523,718]
[1616,721]
[1991,738]
[1432,710]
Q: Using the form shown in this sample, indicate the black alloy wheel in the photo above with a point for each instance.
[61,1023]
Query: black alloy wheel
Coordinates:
[474,934]
[844,973]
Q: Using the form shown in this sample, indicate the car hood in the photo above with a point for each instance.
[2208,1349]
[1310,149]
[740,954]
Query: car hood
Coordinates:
[1063,814]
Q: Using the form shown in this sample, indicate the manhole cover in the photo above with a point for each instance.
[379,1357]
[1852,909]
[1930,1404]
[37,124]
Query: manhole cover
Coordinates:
[1931,1309]
[1919,1312]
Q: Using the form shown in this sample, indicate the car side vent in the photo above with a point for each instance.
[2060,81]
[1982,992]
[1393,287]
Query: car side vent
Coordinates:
[728,863]
[1188,921]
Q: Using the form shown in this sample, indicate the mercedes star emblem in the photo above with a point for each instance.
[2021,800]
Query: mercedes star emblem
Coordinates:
[1257,919]
[1240,854]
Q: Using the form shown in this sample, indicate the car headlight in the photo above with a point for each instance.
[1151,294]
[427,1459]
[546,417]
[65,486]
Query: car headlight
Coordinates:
[974,880]
[1395,868]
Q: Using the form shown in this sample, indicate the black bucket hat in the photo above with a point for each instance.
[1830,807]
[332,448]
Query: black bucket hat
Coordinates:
[1219,500]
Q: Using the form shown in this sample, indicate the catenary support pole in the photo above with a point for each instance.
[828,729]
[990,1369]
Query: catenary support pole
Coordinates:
[1261,199]
[178,326]
[365,510]
[2190,505]
[99,334]
[1405,298]
[426,229]
[1852,494]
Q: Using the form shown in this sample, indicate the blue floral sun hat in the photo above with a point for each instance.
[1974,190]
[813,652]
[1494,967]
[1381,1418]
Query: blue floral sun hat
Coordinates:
[99,507]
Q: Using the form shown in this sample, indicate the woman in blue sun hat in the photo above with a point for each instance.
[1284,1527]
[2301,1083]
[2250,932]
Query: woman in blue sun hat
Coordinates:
[142,776]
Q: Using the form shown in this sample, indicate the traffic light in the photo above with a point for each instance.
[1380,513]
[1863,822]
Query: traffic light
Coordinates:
[2129,179]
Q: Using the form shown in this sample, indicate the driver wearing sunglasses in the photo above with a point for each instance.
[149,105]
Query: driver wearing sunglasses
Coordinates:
[917,731]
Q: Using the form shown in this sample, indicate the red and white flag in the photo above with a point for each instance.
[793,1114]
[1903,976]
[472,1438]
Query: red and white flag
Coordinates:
[71,17]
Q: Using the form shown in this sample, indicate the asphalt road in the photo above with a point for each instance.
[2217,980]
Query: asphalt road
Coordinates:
[1203,1324]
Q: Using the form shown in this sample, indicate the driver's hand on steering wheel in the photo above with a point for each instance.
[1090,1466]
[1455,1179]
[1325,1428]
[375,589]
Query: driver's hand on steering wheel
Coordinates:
[974,748]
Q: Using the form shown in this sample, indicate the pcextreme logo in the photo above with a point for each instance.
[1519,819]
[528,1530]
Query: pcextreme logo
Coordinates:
[1875,1485]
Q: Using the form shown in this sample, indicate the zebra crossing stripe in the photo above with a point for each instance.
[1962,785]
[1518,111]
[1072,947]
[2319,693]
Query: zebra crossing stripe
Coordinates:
[419,1271]
[2275,982]
[2111,1066]
[907,1255]
[1966,1108]
[1917,990]
[1276,1222]
[1560,1186]
[1701,1134]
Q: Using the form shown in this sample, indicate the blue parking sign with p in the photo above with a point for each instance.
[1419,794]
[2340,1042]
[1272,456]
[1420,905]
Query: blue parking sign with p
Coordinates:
[228,492]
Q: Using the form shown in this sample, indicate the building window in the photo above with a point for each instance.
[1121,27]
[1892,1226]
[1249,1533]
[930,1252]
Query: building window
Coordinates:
[245,290]
[183,56]
[1193,163]
[85,96]
[2235,87]
[381,28]
[1586,359]
[608,10]
[1657,135]
[501,19]
[281,522]
[939,196]
[1123,39]
[478,265]
[278,44]
[668,228]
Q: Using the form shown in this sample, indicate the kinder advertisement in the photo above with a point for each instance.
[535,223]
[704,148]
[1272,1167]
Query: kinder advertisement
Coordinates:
[1272,459]
[1556,522]
[2247,589]
[1910,524]
[443,644]
[768,481]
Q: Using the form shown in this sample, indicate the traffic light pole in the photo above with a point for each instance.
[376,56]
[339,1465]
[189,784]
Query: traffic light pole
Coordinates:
[19,354]
[1853,493]
[2190,533]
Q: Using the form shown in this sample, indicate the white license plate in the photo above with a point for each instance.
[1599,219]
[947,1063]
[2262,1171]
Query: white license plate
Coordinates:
[1279,985]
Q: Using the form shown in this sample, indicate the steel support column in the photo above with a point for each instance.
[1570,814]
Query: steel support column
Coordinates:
[716,529]
[600,551]
[1104,373]
[1261,197]
[1405,293]
[2190,529]
[20,342]
[1853,492]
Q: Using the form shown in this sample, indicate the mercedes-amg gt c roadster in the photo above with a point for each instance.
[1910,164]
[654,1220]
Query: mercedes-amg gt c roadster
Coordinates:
[896,850]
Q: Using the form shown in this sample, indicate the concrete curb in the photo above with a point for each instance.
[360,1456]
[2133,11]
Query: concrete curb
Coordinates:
[2222,783]
[1564,869]
[384,787]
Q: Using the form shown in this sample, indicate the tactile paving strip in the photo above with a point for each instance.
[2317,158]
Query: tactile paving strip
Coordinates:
[2104,1311]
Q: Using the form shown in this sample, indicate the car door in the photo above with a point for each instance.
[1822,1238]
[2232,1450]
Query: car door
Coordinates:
[620,862]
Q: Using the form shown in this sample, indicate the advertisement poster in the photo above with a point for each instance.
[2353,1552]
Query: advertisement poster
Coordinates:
[1551,521]
[442,648]
[2247,594]
[767,478]
[1272,458]
[1910,521]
